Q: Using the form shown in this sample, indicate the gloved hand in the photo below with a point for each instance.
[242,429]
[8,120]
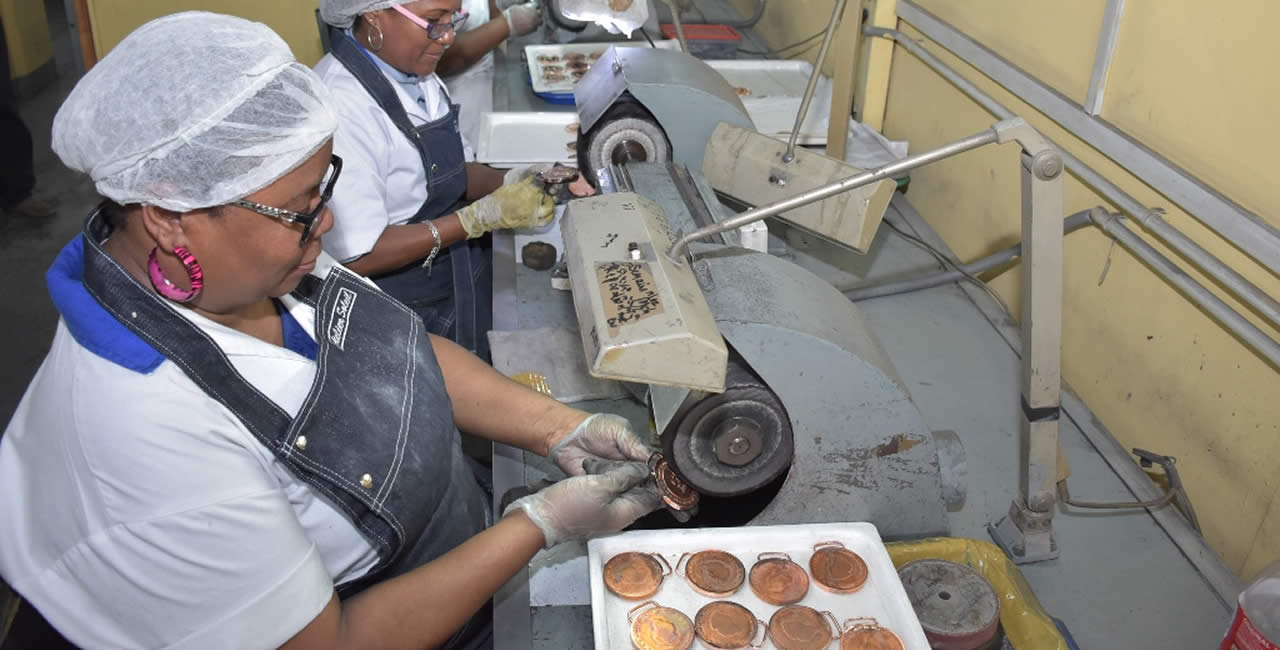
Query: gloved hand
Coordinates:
[518,174]
[521,205]
[603,436]
[582,507]
[503,4]
[522,18]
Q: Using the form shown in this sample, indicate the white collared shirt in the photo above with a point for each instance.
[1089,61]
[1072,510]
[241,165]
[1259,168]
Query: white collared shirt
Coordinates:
[383,182]
[138,512]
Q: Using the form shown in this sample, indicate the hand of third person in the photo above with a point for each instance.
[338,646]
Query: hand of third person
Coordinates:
[522,18]
[520,205]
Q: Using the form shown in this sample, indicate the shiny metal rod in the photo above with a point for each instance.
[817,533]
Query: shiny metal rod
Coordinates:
[1230,319]
[681,246]
[1237,284]
[813,80]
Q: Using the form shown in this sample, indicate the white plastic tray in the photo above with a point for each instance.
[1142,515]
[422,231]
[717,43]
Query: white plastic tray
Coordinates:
[882,598]
[537,66]
[772,92]
[514,139]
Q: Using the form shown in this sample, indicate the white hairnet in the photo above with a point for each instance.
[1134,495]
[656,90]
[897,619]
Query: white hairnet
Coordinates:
[192,111]
[343,13]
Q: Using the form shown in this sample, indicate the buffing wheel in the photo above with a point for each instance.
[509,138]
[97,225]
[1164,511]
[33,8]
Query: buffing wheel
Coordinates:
[733,443]
[627,132]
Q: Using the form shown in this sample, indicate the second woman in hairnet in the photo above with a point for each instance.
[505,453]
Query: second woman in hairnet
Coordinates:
[400,211]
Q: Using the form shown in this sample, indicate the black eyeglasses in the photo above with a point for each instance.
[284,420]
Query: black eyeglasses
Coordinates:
[308,221]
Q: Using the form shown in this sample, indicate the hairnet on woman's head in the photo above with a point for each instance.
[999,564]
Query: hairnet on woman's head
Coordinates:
[343,13]
[192,111]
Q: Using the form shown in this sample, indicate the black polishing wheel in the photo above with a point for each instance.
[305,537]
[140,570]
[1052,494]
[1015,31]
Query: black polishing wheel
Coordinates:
[734,443]
[626,133]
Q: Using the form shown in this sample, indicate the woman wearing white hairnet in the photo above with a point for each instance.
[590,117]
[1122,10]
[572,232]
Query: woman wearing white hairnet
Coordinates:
[397,214]
[235,442]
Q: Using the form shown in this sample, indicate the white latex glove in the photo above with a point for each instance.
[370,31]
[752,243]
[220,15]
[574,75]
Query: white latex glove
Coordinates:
[522,18]
[518,174]
[582,507]
[520,205]
[503,4]
[601,437]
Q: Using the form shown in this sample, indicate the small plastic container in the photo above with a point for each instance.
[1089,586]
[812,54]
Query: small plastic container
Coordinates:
[708,41]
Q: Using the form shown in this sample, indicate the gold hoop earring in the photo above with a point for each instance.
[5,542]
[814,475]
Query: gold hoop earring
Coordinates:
[368,36]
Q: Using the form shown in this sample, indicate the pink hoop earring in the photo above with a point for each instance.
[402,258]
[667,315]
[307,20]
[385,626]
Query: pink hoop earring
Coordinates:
[168,289]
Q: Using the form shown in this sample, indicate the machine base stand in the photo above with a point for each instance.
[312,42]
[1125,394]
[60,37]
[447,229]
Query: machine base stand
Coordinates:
[1025,535]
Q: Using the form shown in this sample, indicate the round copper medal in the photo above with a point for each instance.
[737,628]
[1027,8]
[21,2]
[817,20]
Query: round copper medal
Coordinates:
[675,492]
[727,626]
[714,574]
[660,628]
[837,569]
[777,580]
[867,634]
[802,628]
[635,576]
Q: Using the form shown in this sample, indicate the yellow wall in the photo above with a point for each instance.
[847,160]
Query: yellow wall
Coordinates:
[294,20]
[1189,83]
[26,33]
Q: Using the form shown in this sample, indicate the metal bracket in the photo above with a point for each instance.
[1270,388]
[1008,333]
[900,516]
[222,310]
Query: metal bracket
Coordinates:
[1027,532]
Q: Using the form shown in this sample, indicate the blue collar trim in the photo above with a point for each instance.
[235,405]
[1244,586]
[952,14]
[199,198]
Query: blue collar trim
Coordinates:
[92,325]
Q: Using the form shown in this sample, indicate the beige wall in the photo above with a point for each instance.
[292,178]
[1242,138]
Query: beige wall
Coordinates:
[294,20]
[1193,83]
[26,33]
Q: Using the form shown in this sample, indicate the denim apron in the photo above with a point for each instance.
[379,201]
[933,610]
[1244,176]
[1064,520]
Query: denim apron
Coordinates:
[455,297]
[380,442]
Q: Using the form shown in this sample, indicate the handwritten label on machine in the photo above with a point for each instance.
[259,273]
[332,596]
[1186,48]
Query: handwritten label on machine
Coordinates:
[642,315]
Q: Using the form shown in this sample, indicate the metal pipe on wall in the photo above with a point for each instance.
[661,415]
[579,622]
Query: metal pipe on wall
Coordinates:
[1238,285]
[856,291]
[1230,319]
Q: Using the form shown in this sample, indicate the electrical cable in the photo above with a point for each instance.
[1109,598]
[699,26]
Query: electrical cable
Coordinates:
[946,261]
[1065,496]
[775,52]
[648,38]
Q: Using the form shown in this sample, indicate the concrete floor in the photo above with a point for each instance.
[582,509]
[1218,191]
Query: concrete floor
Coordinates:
[27,246]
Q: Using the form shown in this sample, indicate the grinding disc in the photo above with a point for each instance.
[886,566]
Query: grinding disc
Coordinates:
[733,443]
[957,607]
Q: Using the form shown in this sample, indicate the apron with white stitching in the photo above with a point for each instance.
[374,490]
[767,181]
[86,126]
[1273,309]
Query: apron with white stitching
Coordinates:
[375,434]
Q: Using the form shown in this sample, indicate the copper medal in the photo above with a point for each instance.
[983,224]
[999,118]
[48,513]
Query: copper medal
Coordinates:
[714,574]
[660,628]
[635,576]
[677,494]
[867,634]
[727,626]
[837,569]
[802,628]
[777,580]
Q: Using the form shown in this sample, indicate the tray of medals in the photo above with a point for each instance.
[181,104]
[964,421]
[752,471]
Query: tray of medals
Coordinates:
[798,587]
